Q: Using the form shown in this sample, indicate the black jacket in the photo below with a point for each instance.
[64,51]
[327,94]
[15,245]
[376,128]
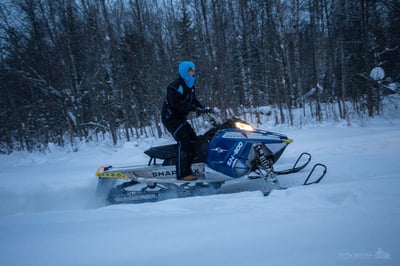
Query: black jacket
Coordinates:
[180,100]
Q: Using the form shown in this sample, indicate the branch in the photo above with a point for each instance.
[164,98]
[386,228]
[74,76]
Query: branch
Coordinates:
[392,4]
[95,124]
[368,78]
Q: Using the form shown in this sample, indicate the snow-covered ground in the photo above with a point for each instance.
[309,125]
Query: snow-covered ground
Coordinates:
[48,215]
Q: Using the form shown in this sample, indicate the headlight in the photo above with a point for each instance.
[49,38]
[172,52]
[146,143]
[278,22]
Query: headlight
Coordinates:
[244,126]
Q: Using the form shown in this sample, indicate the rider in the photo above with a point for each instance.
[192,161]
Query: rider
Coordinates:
[181,100]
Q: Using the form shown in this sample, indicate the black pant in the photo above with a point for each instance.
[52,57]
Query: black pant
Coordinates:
[184,134]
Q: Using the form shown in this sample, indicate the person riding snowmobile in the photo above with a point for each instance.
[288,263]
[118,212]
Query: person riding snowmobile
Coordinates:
[179,101]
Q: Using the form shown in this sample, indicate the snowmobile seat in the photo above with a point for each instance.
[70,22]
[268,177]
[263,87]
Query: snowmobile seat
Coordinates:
[163,152]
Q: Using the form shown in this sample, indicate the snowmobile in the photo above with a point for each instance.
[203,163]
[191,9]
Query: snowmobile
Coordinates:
[229,152]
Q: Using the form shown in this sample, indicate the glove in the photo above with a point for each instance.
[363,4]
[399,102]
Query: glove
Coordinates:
[207,109]
[203,110]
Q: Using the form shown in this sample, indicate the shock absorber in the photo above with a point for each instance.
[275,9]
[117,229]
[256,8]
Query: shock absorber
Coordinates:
[265,163]
[267,166]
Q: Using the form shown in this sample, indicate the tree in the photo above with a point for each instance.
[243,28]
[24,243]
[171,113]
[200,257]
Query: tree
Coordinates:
[71,71]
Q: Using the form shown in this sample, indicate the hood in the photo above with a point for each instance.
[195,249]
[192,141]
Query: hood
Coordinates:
[184,68]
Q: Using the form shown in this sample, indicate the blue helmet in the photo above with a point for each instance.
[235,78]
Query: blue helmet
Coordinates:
[184,68]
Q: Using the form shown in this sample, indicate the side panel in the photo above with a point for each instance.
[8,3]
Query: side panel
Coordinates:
[228,153]
[231,150]
[152,171]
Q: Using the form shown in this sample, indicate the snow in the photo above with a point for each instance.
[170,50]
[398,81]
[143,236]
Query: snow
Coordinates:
[48,215]
[377,73]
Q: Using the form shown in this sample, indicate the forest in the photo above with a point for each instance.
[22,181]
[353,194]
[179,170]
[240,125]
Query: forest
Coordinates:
[81,70]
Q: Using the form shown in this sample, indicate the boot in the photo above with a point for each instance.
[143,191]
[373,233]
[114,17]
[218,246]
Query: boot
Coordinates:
[188,178]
